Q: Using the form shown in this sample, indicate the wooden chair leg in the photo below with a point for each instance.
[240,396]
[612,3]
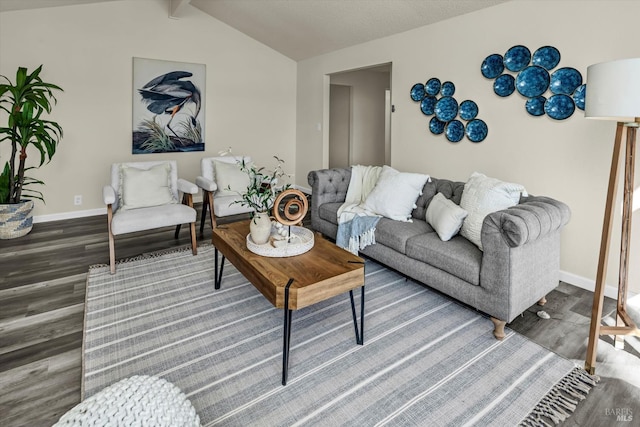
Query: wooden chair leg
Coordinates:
[177,233]
[194,244]
[498,330]
[212,214]
[203,216]
[112,249]
[188,199]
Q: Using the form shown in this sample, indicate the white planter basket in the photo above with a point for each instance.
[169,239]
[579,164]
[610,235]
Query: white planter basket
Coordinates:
[16,220]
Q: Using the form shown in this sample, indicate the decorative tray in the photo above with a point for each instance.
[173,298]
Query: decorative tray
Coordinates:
[301,240]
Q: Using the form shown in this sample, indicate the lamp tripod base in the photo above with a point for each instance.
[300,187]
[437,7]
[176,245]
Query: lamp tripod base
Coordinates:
[624,324]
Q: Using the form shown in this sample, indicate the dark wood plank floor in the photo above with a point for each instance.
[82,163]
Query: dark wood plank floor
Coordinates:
[42,286]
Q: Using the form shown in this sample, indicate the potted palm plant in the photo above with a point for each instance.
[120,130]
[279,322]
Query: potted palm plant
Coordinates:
[24,103]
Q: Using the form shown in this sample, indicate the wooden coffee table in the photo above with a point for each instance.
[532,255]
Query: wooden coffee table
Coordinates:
[296,282]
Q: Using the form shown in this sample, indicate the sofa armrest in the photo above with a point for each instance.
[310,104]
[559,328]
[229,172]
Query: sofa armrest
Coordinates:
[206,184]
[108,195]
[327,186]
[521,255]
[533,218]
[186,186]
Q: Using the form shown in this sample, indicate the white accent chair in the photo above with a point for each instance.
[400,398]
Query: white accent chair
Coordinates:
[219,205]
[138,201]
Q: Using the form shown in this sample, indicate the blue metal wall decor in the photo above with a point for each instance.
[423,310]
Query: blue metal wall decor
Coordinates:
[436,99]
[534,79]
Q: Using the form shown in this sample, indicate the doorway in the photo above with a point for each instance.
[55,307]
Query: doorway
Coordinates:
[339,126]
[360,117]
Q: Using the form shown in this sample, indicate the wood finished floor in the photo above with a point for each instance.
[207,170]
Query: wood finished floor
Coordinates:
[42,287]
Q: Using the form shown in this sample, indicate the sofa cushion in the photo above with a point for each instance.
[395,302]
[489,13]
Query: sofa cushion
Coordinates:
[329,212]
[142,188]
[395,234]
[128,221]
[395,194]
[445,217]
[226,206]
[458,256]
[483,195]
[230,178]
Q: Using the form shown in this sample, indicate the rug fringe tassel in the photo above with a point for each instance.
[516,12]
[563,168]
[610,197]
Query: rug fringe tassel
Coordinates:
[151,255]
[562,399]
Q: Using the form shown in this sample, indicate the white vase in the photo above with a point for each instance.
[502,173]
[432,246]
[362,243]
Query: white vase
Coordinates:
[260,228]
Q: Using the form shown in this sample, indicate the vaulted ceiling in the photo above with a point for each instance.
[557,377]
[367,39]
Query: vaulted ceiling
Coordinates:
[302,29]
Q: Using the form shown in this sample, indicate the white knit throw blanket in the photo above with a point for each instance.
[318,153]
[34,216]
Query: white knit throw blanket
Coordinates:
[356,224]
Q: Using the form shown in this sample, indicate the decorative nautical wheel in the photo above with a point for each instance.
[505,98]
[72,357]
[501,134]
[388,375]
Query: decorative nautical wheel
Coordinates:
[290,207]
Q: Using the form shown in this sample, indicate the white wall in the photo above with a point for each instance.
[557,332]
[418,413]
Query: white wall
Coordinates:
[88,51]
[568,160]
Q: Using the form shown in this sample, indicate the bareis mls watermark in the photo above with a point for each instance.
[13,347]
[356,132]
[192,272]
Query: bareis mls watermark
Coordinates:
[621,414]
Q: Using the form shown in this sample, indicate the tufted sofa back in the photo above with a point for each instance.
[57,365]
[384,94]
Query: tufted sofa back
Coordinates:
[335,182]
[334,185]
[450,189]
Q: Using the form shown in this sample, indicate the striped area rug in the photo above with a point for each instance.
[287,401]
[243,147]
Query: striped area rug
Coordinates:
[426,359]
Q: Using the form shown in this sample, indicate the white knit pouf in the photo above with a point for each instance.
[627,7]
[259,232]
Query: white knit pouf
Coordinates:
[135,401]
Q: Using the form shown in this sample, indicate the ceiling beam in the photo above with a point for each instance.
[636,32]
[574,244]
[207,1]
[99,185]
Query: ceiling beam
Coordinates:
[176,7]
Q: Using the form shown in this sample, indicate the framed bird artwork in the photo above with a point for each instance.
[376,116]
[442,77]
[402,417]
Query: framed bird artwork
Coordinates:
[168,106]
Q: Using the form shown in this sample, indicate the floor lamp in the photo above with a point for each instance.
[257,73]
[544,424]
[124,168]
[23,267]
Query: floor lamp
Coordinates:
[613,93]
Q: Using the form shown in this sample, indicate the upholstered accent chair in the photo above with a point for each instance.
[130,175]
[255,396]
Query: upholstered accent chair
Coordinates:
[221,181]
[145,195]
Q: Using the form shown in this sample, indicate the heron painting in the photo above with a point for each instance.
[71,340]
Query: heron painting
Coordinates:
[168,106]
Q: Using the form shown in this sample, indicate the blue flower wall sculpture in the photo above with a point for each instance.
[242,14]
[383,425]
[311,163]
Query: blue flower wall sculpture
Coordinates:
[436,99]
[554,93]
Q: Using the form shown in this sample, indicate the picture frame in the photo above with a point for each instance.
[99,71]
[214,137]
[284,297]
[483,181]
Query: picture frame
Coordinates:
[168,100]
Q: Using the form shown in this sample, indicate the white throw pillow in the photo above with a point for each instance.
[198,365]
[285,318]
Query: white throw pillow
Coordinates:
[395,194]
[229,178]
[483,195]
[142,188]
[445,216]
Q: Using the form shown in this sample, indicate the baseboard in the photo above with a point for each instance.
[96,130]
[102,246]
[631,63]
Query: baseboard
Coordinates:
[69,215]
[590,285]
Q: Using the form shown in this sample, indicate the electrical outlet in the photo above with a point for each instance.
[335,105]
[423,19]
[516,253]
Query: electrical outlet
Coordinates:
[77,200]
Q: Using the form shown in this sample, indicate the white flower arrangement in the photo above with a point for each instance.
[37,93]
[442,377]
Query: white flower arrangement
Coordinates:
[262,189]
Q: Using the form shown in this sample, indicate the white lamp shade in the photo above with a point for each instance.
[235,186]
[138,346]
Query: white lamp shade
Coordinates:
[613,91]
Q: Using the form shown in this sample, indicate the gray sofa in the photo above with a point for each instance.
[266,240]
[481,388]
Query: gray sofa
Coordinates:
[519,265]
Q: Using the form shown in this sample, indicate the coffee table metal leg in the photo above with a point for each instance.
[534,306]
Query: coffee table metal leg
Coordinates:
[360,332]
[218,274]
[286,337]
